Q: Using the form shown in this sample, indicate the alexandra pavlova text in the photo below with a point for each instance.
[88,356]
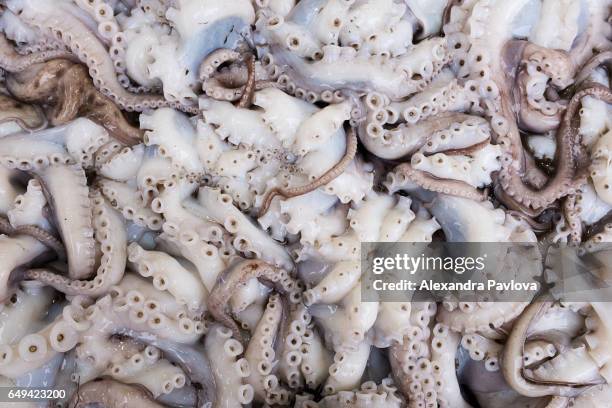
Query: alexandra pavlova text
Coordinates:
[430,285]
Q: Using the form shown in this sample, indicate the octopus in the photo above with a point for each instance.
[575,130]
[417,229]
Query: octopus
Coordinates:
[66,91]
[190,192]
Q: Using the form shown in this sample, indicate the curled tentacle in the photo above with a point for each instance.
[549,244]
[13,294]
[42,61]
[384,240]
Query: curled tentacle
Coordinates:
[235,83]
[567,177]
[512,357]
[327,177]
[533,223]
[110,232]
[238,276]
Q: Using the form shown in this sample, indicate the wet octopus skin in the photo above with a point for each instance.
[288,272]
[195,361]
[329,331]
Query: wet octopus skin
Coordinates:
[27,117]
[11,61]
[38,233]
[327,177]
[249,88]
[111,394]
[67,89]
[193,361]
[83,43]
[178,280]
[238,276]
[531,119]
[567,139]
[566,179]
[235,82]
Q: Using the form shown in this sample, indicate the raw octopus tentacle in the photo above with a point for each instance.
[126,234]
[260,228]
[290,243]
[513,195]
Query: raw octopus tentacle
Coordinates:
[191,359]
[534,224]
[233,84]
[5,226]
[536,113]
[34,231]
[27,117]
[176,285]
[411,359]
[405,172]
[72,214]
[249,88]
[534,176]
[12,61]
[512,357]
[327,177]
[110,232]
[238,276]
[446,16]
[229,368]
[603,58]
[43,236]
[468,150]
[260,353]
[572,218]
[70,89]
[67,28]
[24,125]
[565,180]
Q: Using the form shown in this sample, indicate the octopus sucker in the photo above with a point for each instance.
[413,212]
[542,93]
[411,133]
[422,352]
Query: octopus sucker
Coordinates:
[189,191]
